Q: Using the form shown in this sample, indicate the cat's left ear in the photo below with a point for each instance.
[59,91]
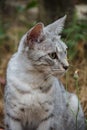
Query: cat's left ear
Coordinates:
[56,27]
[35,35]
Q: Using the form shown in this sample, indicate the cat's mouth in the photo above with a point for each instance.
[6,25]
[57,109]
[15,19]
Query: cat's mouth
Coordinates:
[59,72]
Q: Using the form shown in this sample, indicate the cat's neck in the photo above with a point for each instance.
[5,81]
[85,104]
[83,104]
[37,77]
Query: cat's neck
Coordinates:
[38,80]
[26,73]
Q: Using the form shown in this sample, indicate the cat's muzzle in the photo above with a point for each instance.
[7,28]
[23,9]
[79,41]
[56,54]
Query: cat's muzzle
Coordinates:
[66,67]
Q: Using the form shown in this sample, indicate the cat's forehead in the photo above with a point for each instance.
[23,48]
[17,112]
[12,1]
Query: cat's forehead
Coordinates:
[51,43]
[60,44]
[55,41]
[48,45]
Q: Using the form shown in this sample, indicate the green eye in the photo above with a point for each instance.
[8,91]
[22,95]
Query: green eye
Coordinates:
[53,55]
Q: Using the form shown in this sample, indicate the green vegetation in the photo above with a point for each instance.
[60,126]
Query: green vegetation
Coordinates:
[75,33]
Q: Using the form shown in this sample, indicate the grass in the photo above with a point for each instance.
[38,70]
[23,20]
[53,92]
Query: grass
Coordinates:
[75,35]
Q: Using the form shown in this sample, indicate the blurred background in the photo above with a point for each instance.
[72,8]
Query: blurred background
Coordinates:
[18,16]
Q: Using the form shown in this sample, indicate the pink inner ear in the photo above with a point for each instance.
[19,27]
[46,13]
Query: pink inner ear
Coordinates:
[35,33]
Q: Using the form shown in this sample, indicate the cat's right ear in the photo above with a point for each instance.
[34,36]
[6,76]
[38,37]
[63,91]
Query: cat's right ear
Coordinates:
[35,35]
[56,27]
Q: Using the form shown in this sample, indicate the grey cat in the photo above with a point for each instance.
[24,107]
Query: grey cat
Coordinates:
[35,99]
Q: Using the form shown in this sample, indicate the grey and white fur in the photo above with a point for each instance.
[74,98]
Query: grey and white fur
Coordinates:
[35,99]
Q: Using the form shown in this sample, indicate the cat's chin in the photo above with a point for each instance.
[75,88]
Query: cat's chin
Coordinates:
[59,74]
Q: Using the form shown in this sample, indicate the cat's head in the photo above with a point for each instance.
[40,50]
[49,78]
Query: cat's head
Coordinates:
[45,49]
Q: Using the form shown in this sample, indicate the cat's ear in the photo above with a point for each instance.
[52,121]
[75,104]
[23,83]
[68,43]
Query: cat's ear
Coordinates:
[57,26]
[35,35]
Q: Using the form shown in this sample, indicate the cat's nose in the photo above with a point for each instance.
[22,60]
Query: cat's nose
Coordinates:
[66,67]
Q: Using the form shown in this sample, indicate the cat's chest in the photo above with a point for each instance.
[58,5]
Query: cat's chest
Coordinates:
[37,106]
[34,104]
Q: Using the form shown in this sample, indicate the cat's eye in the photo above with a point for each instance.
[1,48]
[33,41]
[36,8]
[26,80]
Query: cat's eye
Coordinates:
[65,51]
[53,55]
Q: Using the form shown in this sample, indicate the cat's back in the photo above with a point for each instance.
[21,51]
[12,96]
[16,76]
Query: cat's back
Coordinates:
[11,93]
[12,65]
